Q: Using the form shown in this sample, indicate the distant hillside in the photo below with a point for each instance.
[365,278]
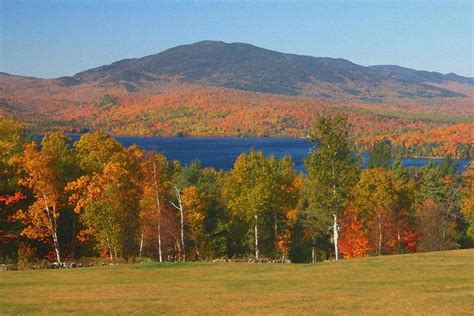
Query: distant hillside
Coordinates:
[247,67]
[244,67]
[419,76]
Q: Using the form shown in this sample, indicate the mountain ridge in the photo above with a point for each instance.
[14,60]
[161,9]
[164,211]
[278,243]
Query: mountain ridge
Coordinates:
[247,67]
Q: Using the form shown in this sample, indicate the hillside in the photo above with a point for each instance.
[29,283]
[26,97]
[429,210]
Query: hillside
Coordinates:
[437,283]
[215,88]
[417,128]
[244,67]
[247,67]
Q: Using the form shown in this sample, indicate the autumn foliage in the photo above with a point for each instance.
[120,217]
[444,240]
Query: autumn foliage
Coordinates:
[61,200]
[416,127]
[353,241]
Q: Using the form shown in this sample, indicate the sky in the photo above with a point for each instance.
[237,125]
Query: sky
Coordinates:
[56,38]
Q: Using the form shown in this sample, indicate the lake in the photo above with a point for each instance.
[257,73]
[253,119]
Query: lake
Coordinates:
[221,152]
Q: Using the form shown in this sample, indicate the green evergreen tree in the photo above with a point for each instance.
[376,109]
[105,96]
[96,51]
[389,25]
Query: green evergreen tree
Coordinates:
[400,170]
[381,155]
[443,185]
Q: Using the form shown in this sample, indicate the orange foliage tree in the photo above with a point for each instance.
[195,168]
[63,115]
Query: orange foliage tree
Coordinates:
[43,177]
[353,241]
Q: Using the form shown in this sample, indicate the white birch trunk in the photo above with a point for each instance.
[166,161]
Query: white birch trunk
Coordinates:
[256,238]
[275,227]
[335,227]
[336,237]
[109,237]
[179,207]
[182,229]
[158,208]
[380,235]
[56,246]
[398,240]
[110,250]
[141,246]
[160,253]
[196,249]
[52,222]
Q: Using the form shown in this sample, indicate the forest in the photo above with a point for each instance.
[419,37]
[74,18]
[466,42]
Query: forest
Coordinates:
[421,127]
[61,202]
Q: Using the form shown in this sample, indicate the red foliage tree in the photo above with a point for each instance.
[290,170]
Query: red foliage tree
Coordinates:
[353,242]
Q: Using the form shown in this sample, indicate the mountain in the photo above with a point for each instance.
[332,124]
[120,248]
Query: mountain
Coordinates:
[410,75]
[247,67]
[219,89]
[243,67]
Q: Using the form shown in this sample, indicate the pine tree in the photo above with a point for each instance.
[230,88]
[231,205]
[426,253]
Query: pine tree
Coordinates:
[380,155]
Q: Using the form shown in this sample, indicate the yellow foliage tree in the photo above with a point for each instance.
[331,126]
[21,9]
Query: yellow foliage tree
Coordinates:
[196,209]
[467,207]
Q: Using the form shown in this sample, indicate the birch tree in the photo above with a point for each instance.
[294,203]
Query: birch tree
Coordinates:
[179,207]
[182,178]
[43,177]
[155,186]
[108,196]
[375,201]
[332,172]
[257,188]
[59,148]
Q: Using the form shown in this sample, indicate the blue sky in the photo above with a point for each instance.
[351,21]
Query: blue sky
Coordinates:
[56,38]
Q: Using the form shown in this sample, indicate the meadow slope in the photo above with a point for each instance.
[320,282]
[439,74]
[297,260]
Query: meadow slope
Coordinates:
[429,283]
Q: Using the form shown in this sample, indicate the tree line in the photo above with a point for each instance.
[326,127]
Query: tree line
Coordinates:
[414,127]
[61,200]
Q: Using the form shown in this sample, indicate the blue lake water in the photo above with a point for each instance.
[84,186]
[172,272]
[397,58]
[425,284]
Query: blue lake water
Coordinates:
[221,152]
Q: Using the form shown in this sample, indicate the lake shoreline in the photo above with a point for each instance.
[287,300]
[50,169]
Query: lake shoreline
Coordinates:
[221,152]
[243,138]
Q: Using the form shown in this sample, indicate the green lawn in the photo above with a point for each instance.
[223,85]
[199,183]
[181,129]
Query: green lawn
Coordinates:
[430,283]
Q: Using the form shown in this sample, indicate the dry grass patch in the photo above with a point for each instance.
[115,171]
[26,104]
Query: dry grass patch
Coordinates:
[429,283]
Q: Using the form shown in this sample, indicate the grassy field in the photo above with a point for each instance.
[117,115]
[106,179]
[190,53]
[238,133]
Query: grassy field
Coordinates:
[429,283]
